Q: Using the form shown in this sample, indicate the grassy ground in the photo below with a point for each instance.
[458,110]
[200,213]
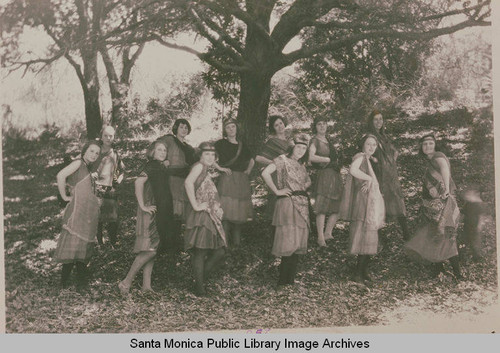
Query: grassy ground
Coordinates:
[243,291]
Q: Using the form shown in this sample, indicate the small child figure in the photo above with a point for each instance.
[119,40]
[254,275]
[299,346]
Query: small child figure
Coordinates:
[474,214]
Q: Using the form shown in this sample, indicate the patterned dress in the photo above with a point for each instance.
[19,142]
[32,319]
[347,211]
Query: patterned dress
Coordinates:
[204,228]
[109,167]
[291,214]
[180,155]
[328,188]
[234,190]
[80,219]
[365,210]
[435,240]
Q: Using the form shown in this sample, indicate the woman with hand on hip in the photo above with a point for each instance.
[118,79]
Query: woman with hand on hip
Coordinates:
[436,239]
[291,214]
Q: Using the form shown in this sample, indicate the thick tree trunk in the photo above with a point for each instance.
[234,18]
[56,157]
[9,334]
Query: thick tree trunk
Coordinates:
[119,95]
[255,93]
[90,87]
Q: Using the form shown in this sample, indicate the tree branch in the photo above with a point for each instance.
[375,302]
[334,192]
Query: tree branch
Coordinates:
[334,44]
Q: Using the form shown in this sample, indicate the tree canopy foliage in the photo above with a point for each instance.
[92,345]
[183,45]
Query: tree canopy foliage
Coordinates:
[344,42]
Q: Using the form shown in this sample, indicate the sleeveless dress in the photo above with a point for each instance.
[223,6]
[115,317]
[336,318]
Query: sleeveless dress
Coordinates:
[390,187]
[80,219]
[365,210]
[204,228]
[328,188]
[291,214]
[180,155]
[108,167]
[234,190]
[273,148]
[435,240]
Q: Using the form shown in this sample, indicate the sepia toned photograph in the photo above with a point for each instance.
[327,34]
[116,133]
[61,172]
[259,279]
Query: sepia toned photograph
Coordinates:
[248,166]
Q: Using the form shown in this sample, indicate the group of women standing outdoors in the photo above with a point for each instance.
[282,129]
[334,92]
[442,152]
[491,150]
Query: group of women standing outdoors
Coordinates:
[176,186]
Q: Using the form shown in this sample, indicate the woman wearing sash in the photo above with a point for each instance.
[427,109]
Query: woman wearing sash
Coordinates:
[181,157]
[327,190]
[386,155]
[81,215]
[234,185]
[435,240]
[362,204]
[110,170]
[204,231]
[291,214]
[276,145]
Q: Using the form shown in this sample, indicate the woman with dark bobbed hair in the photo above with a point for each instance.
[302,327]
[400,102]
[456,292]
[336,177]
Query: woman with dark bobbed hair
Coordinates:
[387,173]
[277,144]
[327,190]
[435,240]
[180,156]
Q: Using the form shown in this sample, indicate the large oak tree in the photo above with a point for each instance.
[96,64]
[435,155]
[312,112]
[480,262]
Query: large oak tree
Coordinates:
[249,38]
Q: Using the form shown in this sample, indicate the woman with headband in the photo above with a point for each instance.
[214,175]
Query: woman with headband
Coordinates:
[276,145]
[81,215]
[291,214]
[435,240]
[363,205]
[204,231]
[327,190]
[386,155]
[234,185]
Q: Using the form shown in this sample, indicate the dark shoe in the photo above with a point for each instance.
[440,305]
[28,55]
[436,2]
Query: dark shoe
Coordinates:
[199,290]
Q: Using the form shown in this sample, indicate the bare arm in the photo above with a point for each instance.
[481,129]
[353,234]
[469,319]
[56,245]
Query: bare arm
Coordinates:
[189,185]
[356,172]
[139,194]
[228,171]
[315,158]
[63,175]
[263,160]
[250,166]
[266,175]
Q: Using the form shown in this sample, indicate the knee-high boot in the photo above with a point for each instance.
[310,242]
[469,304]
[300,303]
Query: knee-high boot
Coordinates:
[65,273]
[284,270]
[455,264]
[292,269]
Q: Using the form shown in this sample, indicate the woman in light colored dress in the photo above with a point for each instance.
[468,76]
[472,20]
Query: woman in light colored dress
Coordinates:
[435,240]
[291,214]
[81,215]
[276,145]
[204,231]
[327,190]
[362,204]
[236,163]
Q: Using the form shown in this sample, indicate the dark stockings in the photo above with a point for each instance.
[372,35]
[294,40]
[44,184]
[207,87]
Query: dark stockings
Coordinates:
[361,273]
[112,228]
[81,273]
[204,261]
[438,267]
[288,269]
